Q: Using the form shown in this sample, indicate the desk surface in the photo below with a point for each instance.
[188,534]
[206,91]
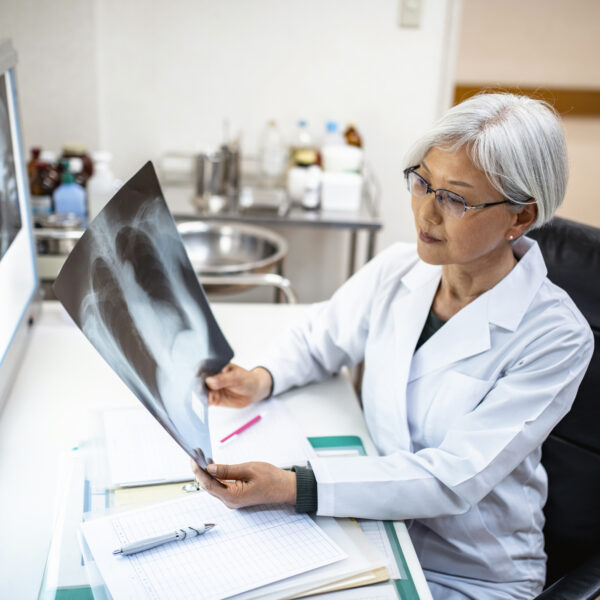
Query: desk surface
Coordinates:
[62,379]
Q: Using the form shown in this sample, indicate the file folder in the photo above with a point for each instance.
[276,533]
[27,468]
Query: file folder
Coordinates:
[352,445]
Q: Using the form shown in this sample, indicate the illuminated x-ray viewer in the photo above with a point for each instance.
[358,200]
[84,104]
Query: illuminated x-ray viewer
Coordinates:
[18,277]
[130,287]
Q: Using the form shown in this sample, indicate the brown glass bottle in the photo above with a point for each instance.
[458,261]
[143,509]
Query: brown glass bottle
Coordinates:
[32,164]
[43,182]
[352,137]
[73,150]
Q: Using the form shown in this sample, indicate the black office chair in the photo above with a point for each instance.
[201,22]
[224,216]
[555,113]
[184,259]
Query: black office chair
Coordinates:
[571,454]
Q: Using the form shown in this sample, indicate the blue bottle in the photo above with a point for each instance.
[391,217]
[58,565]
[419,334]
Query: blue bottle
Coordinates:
[69,197]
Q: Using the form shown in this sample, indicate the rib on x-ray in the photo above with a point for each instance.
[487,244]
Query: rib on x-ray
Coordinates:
[10,216]
[130,287]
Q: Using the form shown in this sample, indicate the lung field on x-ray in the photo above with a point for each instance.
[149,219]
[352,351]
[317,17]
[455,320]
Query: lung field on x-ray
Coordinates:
[120,324]
[10,216]
[136,247]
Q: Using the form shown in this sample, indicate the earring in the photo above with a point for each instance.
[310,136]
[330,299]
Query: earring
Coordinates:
[510,237]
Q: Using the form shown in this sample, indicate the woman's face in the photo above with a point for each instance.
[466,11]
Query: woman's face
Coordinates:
[475,237]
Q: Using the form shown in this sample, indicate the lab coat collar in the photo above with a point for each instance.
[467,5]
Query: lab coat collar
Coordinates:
[468,332]
[421,274]
[510,298]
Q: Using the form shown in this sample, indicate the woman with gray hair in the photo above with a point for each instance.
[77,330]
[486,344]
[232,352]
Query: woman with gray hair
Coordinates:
[472,356]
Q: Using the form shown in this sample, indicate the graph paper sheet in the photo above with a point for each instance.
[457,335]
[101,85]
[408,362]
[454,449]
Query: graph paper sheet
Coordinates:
[375,532]
[248,548]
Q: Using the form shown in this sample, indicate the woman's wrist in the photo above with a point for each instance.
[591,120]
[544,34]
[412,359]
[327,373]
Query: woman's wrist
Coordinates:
[291,488]
[265,383]
[306,490]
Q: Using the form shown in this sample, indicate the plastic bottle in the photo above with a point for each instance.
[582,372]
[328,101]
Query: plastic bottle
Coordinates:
[273,155]
[102,185]
[86,169]
[69,196]
[311,199]
[303,151]
[352,137]
[333,135]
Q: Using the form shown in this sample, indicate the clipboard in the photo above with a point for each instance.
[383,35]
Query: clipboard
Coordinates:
[351,445]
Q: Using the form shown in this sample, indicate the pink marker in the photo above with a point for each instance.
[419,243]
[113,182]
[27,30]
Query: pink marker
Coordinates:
[242,428]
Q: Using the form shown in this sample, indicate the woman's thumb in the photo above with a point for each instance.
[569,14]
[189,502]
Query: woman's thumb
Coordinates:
[220,380]
[228,471]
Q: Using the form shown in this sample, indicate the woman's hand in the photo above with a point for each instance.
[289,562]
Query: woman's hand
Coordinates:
[248,484]
[236,387]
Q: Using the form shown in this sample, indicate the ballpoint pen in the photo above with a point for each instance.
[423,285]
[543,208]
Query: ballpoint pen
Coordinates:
[147,544]
[242,428]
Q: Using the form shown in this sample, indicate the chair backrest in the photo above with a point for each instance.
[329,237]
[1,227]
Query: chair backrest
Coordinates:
[571,454]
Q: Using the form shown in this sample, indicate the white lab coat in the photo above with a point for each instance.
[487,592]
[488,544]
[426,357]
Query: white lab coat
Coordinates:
[458,423]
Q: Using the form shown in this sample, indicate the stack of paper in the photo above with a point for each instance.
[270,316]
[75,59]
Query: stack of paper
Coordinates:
[376,534]
[275,439]
[246,549]
[363,566]
[141,452]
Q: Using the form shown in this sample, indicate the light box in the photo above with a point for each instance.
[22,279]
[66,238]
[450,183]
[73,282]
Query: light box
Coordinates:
[18,277]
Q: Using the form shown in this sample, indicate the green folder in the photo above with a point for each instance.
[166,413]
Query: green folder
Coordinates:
[405,587]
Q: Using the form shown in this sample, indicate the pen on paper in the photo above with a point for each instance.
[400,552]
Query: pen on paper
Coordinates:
[242,428]
[175,536]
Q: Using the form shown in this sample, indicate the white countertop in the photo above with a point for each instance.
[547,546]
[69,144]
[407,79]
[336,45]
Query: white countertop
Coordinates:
[62,379]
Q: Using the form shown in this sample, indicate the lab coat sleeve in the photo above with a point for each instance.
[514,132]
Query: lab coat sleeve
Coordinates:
[334,333]
[479,451]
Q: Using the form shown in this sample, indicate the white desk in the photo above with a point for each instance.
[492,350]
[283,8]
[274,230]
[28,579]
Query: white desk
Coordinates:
[62,378]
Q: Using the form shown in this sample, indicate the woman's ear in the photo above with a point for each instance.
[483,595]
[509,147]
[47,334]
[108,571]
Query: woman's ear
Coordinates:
[524,219]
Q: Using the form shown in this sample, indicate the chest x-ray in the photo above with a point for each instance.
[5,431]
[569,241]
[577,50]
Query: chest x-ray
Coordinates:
[10,218]
[130,287]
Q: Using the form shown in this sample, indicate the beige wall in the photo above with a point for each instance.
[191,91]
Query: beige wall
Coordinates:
[545,43]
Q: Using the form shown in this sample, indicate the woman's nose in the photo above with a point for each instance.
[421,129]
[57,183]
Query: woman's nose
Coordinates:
[429,209]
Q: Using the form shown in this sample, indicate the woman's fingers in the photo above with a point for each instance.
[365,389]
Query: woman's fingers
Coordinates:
[236,387]
[248,484]
[224,472]
[226,398]
[205,480]
[229,376]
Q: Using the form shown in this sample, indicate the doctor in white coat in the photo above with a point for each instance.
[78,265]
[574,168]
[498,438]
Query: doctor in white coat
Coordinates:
[471,354]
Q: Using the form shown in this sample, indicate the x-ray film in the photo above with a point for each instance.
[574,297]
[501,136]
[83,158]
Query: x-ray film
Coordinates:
[129,286]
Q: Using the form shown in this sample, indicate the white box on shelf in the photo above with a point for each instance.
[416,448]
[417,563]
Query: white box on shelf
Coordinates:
[341,191]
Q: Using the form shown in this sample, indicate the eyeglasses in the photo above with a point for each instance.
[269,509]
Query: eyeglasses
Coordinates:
[448,202]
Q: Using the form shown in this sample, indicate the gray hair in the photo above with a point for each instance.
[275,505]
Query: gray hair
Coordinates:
[516,141]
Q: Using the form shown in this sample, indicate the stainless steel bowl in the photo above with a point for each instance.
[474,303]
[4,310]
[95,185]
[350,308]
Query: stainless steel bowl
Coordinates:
[229,251]
[58,234]
[222,248]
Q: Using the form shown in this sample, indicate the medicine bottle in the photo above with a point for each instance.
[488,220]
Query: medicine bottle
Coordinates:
[273,156]
[352,137]
[102,185]
[303,150]
[69,196]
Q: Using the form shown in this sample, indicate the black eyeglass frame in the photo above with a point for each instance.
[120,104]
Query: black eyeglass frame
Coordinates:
[453,195]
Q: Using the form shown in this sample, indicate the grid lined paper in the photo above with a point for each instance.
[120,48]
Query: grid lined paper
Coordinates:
[376,534]
[248,548]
